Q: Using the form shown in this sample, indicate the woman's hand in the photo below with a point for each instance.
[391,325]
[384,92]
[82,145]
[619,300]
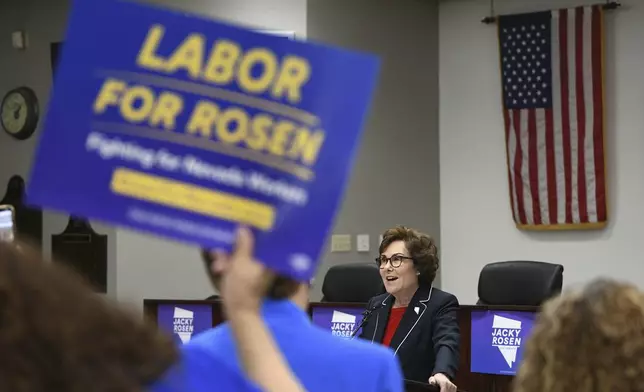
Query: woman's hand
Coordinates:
[443,382]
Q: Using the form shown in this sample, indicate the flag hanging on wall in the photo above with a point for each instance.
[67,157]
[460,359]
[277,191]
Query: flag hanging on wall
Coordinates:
[553,105]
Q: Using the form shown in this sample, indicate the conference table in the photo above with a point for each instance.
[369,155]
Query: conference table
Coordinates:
[206,314]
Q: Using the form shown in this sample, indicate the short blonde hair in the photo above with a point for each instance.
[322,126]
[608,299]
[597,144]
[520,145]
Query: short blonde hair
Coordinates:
[590,340]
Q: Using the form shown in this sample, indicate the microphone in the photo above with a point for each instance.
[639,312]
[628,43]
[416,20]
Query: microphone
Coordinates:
[366,315]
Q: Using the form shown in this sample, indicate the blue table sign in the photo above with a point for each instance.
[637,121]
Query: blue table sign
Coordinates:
[339,321]
[184,321]
[498,340]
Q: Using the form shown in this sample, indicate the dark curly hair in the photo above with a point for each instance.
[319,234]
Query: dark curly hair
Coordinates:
[587,340]
[421,247]
[58,335]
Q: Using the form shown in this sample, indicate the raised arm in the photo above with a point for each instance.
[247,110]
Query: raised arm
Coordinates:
[243,288]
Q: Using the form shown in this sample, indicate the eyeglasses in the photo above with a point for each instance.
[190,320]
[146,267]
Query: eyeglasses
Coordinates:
[395,260]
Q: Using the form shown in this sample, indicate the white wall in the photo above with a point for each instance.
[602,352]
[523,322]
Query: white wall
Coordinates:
[395,178]
[151,267]
[476,225]
[261,14]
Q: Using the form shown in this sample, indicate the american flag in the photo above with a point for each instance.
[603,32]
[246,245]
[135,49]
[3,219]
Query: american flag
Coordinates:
[553,104]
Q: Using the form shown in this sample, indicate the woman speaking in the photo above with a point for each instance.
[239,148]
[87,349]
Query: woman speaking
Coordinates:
[418,321]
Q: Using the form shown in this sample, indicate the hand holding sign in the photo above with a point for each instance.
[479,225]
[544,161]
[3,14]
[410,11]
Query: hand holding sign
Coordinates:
[245,281]
[244,285]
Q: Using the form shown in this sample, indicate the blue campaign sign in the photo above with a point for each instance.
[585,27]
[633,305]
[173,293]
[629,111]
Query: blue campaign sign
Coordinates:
[186,128]
[498,340]
[340,321]
[184,321]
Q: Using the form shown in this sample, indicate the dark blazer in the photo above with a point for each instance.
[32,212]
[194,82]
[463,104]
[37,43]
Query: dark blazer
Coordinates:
[427,339]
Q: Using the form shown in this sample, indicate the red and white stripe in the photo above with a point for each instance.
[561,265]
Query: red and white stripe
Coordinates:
[556,156]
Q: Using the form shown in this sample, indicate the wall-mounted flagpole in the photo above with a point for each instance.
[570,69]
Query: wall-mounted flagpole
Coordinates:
[609,5]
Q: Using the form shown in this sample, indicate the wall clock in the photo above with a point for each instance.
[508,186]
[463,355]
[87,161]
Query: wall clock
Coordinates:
[19,113]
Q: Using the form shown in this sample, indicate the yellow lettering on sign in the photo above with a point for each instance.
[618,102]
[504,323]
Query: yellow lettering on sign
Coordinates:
[225,62]
[233,125]
[138,104]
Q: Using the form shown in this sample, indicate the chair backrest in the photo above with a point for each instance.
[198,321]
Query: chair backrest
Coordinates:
[356,282]
[519,283]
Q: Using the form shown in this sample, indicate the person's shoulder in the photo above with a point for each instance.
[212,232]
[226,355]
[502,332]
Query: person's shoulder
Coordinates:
[361,357]
[352,349]
[198,371]
[217,342]
[383,361]
[441,297]
[378,298]
[213,336]
[349,360]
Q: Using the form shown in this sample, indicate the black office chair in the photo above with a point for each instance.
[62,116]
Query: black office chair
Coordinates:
[528,283]
[352,283]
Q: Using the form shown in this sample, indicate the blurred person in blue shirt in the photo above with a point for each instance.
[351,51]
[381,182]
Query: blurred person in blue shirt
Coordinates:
[243,289]
[57,334]
[321,362]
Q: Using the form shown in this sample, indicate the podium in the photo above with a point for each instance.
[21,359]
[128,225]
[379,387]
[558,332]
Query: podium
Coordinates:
[415,386]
